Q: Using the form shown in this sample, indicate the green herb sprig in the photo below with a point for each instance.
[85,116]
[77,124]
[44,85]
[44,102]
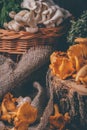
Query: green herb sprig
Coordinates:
[78,28]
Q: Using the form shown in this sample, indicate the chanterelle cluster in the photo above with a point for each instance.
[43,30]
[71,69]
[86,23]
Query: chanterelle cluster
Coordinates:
[36,12]
[18,111]
[72,63]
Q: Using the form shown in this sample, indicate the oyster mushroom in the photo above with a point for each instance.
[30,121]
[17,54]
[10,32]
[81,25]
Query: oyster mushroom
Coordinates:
[18,22]
[38,12]
[57,16]
[32,23]
[47,14]
[39,7]
[66,13]
[29,4]
[22,100]
[12,14]
[19,16]
[12,25]
[31,30]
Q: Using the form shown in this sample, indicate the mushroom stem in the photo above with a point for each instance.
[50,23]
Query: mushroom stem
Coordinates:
[58,120]
[12,14]
[56,109]
[77,63]
[57,15]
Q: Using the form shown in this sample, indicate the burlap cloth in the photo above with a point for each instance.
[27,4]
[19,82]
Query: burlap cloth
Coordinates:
[26,91]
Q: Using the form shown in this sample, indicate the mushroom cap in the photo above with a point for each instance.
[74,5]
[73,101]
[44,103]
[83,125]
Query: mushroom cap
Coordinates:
[78,55]
[12,14]
[66,68]
[26,113]
[81,40]
[82,75]
[29,4]
[9,102]
[58,120]
[22,100]
[61,66]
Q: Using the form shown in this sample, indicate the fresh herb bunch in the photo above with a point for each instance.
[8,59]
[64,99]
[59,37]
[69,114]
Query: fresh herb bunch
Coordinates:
[5,7]
[78,28]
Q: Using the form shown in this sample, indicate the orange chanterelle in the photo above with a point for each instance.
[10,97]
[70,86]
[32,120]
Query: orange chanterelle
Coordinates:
[17,112]
[72,63]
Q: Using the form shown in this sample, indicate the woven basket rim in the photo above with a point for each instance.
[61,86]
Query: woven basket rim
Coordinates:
[42,33]
[19,42]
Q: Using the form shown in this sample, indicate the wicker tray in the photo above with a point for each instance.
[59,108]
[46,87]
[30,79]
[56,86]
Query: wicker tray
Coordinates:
[19,42]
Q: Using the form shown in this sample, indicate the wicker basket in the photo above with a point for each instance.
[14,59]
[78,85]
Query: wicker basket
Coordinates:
[19,42]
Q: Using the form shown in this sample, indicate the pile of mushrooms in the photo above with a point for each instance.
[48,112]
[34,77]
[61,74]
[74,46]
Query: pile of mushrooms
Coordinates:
[18,111]
[72,63]
[36,13]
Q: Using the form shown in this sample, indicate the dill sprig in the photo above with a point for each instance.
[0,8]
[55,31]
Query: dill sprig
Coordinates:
[78,28]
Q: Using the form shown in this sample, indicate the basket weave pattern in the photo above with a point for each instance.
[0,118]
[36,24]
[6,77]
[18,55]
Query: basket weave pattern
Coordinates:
[19,42]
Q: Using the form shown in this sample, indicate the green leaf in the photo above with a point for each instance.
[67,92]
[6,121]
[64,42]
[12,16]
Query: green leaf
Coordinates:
[5,7]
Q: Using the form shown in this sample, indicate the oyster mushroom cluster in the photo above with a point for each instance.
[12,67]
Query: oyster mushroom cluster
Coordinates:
[72,63]
[36,13]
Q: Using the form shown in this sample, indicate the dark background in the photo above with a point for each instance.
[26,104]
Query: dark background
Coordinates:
[76,7]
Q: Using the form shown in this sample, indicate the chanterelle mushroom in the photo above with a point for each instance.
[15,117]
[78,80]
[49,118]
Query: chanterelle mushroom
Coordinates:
[81,76]
[78,55]
[18,111]
[9,102]
[61,66]
[58,121]
[25,116]
[81,40]
[71,64]
[7,107]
